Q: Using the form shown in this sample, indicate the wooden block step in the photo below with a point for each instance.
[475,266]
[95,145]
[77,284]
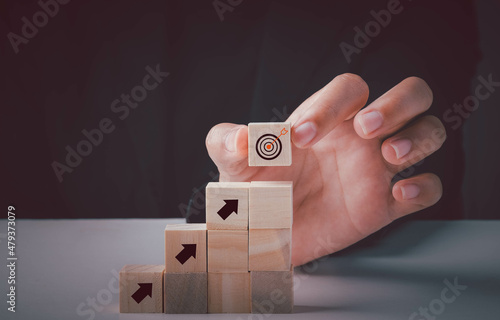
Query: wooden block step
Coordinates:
[270,205]
[227,205]
[186,248]
[186,292]
[229,292]
[270,249]
[272,291]
[141,288]
[227,250]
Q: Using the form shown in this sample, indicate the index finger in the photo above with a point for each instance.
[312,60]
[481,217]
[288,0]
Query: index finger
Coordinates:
[321,113]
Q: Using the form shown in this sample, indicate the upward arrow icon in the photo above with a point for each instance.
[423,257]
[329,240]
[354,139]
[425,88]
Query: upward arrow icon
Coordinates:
[145,289]
[230,207]
[186,253]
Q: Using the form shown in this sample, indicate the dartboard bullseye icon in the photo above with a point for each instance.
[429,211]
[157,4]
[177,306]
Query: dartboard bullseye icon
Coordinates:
[268,146]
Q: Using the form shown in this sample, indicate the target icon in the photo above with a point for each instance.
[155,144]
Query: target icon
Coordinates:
[268,146]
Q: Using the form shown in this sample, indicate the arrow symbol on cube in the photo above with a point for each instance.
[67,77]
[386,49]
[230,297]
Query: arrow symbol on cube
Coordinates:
[230,207]
[186,253]
[145,289]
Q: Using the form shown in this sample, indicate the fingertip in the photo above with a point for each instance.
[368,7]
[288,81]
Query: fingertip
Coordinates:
[367,123]
[395,151]
[210,138]
[303,135]
[396,192]
[335,103]
[435,186]
[357,84]
[421,86]
[241,140]
[389,153]
[230,139]
[227,143]
[424,190]
[406,191]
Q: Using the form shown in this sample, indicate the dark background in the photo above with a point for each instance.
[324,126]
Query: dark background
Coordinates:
[256,63]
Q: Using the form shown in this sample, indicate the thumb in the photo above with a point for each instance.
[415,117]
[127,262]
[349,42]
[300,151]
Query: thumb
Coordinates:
[227,145]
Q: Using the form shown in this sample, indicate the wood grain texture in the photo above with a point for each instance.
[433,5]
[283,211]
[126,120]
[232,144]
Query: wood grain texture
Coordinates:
[186,292]
[130,277]
[227,250]
[270,205]
[272,291]
[270,249]
[216,193]
[229,292]
[258,130]
[178,234]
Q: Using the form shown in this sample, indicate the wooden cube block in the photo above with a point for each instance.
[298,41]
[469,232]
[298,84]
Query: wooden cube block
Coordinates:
[229,292]
[186,292]
[272,291]
[227,205]
[141,288]
[270,205]
[269,144]
[186,247]
[227,251]
[270,249]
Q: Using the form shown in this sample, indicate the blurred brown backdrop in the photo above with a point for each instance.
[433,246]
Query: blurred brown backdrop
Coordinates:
[244,61]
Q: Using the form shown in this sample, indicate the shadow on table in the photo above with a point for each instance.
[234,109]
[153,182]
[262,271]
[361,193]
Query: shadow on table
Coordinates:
[397,238]
[312,309]
[417,252]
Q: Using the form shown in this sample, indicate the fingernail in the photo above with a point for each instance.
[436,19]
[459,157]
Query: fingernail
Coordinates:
[410,191]
[230,141]
[304,134]
[370,121]
[401,147]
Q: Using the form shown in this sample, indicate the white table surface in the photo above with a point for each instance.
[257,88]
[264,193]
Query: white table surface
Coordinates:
[61,263]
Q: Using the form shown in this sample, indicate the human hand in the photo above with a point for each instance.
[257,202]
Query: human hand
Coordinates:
[343,161]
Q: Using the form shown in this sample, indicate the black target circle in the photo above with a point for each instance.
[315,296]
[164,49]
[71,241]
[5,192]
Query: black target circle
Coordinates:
[268,146]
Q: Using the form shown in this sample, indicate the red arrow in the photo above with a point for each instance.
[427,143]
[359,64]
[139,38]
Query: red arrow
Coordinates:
[145,289]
